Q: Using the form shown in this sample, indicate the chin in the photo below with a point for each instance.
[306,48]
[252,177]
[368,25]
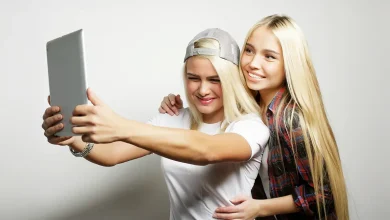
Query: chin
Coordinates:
[206,109]
[255,85]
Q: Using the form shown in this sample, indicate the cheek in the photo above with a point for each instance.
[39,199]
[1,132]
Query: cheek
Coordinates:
[244,62]
[217,89]
[276,72]
[191,87]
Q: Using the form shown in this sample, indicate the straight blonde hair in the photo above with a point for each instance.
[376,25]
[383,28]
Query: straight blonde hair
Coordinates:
[303,93]
[237,98]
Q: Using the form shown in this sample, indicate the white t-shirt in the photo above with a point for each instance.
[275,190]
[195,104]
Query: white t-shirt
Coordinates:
[196,191]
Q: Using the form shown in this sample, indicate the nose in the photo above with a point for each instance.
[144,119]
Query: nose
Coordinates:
[204,89]
[255,63]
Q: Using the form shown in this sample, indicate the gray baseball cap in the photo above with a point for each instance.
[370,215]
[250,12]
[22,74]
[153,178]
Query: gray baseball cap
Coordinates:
[228,48]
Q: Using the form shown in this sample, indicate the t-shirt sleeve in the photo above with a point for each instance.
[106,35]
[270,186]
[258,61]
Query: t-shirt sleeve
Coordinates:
[255,132]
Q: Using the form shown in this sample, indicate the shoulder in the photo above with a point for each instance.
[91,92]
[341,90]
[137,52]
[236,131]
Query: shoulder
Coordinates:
[251,127]
[290,127]
[167,120]
[289,117]
[248,121]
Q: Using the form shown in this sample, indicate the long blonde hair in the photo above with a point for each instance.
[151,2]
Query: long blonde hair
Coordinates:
[237,98]
[304,95]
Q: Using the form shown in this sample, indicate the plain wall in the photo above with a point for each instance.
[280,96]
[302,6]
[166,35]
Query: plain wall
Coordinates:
[134,53]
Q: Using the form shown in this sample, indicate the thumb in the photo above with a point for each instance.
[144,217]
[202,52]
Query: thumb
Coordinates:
[93,98]
[238,199]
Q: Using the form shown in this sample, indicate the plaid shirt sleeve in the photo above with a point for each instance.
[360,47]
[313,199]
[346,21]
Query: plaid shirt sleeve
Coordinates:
[304,196]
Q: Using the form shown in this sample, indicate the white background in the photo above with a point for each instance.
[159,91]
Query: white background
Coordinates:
[134,52]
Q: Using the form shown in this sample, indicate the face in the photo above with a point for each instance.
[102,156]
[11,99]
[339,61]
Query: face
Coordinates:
[204,89]
[262,62]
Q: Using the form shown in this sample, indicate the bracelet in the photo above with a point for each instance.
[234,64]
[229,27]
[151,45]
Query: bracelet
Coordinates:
[85,152]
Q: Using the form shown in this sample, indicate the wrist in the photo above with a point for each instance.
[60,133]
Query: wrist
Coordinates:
[276,206]
[263,209]
[125,130]
[77,144]
[88,147]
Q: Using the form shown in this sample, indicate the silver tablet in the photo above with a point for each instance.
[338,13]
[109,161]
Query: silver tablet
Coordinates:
[67,75]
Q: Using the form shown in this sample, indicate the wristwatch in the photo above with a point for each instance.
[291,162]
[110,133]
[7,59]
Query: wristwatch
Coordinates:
[85,152]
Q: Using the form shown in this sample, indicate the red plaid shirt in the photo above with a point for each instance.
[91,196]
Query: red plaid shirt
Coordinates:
[290,178]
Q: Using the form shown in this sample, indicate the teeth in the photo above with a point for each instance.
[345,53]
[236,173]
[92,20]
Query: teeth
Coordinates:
[254,76]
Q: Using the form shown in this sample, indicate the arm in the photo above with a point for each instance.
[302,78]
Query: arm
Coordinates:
[303,195]
[99,124]
[192,146]
[110,154]
[302,198]
[277,206]
[102,154]
[247,208]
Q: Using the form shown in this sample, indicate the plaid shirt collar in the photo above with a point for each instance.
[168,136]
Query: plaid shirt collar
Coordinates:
[276,100]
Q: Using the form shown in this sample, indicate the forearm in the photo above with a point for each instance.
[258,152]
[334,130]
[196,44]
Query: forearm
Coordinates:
[306,199]
[277,206]
[101,155]
[110,154]
[182,145]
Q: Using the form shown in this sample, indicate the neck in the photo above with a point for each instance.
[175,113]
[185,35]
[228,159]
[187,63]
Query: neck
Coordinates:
[213,117]
[266,97]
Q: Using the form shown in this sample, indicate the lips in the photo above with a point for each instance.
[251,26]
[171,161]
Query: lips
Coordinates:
[255,77]
[205,101]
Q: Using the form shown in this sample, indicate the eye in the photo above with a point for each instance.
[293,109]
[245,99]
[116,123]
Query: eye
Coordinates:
[248,50]
[215,80]
[270,57]
[192,78]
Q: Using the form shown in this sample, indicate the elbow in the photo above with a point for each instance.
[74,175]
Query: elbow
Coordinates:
[206,157]
[103,163]
[107,164]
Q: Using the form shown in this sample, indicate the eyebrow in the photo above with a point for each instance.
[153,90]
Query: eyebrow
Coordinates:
[209,77]
[270,51]
[265,50]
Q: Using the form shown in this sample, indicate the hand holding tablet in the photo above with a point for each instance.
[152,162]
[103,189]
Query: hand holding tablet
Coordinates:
[67,76]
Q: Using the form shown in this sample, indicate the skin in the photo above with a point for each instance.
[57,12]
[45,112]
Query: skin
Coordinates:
[204,89]
[263,65]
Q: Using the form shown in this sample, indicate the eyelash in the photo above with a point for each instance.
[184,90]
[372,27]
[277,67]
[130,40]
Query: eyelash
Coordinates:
[211,80]
[270,57]
[248,50]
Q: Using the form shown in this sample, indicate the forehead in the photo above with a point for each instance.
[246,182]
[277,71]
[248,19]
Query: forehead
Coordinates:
[263,38]
[200,66]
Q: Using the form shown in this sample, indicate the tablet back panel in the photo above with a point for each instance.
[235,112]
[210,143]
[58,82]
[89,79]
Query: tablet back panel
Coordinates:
[67,75]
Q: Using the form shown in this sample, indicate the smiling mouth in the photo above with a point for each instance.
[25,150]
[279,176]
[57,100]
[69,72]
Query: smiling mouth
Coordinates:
[205,101]
[255,76]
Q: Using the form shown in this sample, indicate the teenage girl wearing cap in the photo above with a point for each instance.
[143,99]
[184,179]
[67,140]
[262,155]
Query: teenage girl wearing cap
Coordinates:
[221,125]
[304,178]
